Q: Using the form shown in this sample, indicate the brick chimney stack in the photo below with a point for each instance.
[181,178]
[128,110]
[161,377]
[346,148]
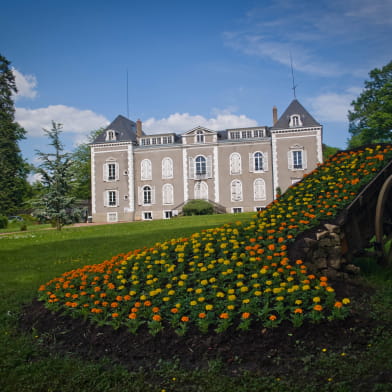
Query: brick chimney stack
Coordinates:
[274,115]
[139,131]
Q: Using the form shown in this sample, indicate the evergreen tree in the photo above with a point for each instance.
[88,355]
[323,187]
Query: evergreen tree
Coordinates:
[56,201]
[13,169]
[371,118]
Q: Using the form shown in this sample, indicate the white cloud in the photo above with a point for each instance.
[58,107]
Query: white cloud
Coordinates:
[332,106]
[25,85]
[75,121]
[181,122]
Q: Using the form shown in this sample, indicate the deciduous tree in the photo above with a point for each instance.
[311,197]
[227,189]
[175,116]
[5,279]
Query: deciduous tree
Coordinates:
[370,121]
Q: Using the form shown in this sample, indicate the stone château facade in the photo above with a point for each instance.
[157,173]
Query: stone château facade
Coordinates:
[136,176]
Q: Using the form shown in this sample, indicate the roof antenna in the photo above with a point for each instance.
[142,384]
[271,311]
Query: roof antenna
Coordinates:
[292,76]
[127,97]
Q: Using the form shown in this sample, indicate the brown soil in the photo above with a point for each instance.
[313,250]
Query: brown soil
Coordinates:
[268,352]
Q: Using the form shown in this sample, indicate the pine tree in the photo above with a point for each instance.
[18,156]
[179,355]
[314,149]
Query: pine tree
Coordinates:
[56,202]
[13,169]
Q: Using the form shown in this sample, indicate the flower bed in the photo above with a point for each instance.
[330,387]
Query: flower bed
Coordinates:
[234,275]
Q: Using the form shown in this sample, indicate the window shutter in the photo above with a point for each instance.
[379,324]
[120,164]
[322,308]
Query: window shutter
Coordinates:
[290,160]
[153,194]
[105,199]
[251,163]
[304,160]
[140,194]
[209,166]
[265,161]
[105,171]
[117,196]
[117,171]
[191,168]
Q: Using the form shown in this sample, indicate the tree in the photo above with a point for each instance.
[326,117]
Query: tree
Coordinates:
[13,169]
[81,167]
[371,118]
[56,202]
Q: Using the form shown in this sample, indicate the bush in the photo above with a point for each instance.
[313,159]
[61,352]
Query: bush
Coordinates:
[3,222]
[198,207]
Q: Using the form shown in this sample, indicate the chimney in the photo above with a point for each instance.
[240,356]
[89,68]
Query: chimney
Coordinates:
[274,115]
[139,132]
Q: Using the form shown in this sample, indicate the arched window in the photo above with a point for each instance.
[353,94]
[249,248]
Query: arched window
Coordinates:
[199,136]
[259,189]
[235,163]
[167,194]
[147,195]
[201,190]
[200,165]
[295,121]
[236,190]
[167,168]
[258,161]
[145,169]
[110,135]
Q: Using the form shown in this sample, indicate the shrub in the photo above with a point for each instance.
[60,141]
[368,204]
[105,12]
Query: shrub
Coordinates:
[198,207]
[3,222]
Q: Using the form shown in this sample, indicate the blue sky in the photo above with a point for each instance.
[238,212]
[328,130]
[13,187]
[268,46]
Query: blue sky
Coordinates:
[220,64]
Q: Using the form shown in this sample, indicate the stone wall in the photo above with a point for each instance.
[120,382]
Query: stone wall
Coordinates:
[323,251]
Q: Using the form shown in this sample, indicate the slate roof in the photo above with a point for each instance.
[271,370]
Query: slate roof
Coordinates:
[295,108]
[125,131]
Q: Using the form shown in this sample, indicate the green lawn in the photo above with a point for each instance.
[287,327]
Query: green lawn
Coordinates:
[30,258]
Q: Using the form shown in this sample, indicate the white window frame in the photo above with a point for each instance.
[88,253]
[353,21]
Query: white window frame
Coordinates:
[291,159]
[167,168]
[168,194]
[109,200]
[106,170]
[112,217]
[259,194]
[147,215]
[145,170]
[252,162]
[295,121]
[235,163]
[236,193]
[110,135]
[166,213]
[141,194]
[199,137]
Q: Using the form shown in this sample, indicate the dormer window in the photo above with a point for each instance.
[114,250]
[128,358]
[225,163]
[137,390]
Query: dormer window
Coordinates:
[295,121]
[110,135]
[199,137]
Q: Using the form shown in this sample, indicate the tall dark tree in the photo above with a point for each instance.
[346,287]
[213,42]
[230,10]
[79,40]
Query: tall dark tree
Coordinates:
[13,169]
[55,202]
[370,121]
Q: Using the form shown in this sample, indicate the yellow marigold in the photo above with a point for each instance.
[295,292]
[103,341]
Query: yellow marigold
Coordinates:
[209,307]
[316,299]
[346,301]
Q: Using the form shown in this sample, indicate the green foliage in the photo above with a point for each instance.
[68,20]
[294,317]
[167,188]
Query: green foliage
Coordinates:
[198,207]
[3,222]
[56,201]
[328,151]
[81,168]
[13,169]
[370,121]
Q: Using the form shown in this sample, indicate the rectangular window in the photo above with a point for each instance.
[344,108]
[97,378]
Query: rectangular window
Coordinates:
[297,159]
[246,134]
[236,210]
[112,217]
[112,198]
[258,133]
[235,135]
[147,215]
[111,171]
[167,214]
[259,209]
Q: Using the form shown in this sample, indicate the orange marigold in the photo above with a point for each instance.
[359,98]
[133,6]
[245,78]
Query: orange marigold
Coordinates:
[224,315]
[185,319]
[272,317]
[157,317]
[318,308]
[245,315]
[202,315]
